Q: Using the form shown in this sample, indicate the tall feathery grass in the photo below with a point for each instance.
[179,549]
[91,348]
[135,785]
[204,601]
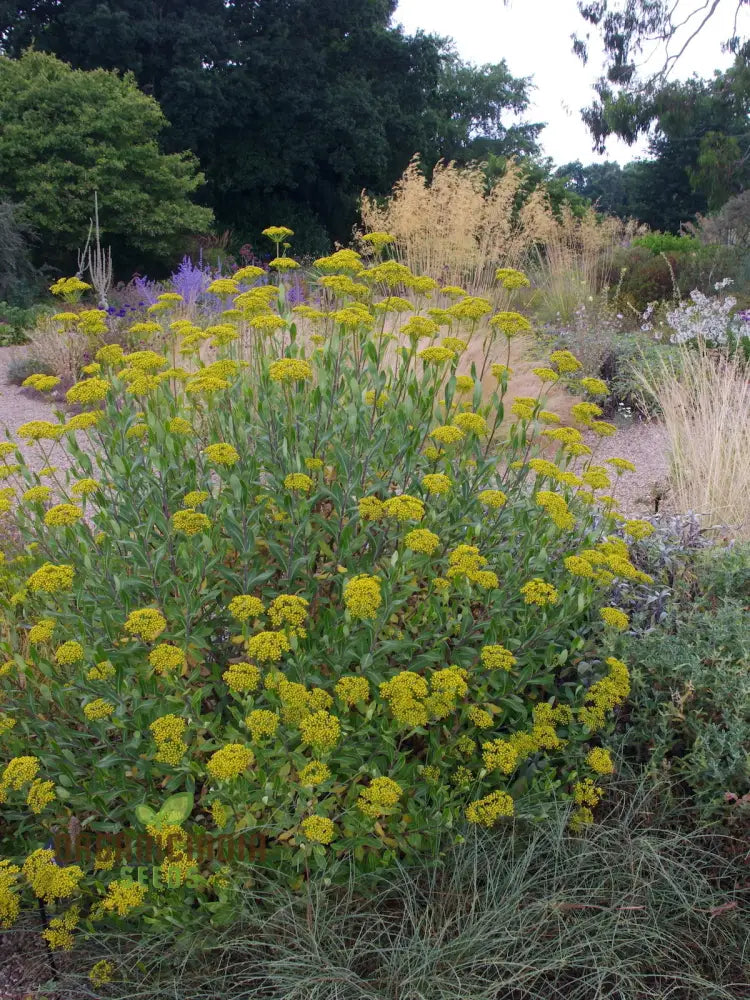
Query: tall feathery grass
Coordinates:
[457,231]
[704,398]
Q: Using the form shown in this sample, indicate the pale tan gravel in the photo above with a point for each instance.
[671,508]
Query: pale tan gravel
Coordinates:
[645,444]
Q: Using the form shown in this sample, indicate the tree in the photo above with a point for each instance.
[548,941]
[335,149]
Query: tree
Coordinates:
[293,106]
[68,133]
[629,30]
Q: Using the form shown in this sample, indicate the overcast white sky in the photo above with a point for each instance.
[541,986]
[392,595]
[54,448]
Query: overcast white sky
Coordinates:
[534,38]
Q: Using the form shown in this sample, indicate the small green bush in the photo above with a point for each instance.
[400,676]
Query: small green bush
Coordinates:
[690,699]
[666,243]
[15,321]
[19,370]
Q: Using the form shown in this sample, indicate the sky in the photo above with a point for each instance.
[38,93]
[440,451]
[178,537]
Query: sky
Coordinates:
[534,38]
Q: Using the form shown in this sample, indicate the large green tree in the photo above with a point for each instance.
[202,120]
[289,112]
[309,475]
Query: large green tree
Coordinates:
[67,133]
[293,106]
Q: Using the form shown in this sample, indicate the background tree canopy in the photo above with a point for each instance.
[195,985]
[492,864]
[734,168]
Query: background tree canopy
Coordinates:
[292,106]
[68,133]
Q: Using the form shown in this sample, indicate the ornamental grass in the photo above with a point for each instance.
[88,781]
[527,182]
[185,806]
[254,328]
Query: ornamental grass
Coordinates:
[304,592]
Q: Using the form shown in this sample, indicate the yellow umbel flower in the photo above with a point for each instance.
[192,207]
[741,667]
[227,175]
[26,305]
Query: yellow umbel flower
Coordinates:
[268,647]
[487,811]
[288,609]
[565,361]
[70,652]
[511,279]
[242,677]
[145,623]
[230,761]
[371,509]
[63,515]
[318,829]
[190,522]
[245,606]
[222,454]
[298,481]
[437,483]
[493,498]
[497,658]
[538,592]
[262,723]
[321,731]
[381,795]
[406,694]
[421,540]
[500,755]
[614,618]
[42,631]
[314,773]
[122,897]
[290,370]
[49,881]
[600,761]
[352,689]
[98,709]
[471,423]
[510,324]
[40,795]
[404,508]
[90,390]
[362,596]
[595,386]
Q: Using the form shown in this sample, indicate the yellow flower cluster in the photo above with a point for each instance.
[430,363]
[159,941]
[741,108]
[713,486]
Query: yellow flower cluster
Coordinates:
[49,881]
[222,454]
[230,761]
[42,631]
[421,540]
[380,796]
[168,732]
[555,505]
[90,390]
[242,677]
[190,522]
[63,515]
[314,773]
[98,709]
[289,610]
[70,652]
[352,689]
[122,897]
[493,498]
[261,722]
[404,508]
[101,973]
[290,370]
[497,658]
[600,761]
[268,647]
[362,596]
[605,694]
[298,481]
[318,829]
[320,730]
[538,592]
[145,623]
[245,606]
[59,932]
[615,618]
[486,811]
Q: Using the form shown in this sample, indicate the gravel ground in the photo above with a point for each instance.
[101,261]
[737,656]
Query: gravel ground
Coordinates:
[645,491]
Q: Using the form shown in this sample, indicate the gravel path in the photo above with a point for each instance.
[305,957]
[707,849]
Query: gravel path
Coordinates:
[645,491]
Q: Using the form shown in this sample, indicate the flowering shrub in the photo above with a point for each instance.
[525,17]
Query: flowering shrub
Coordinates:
[310,589]
[705,319]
